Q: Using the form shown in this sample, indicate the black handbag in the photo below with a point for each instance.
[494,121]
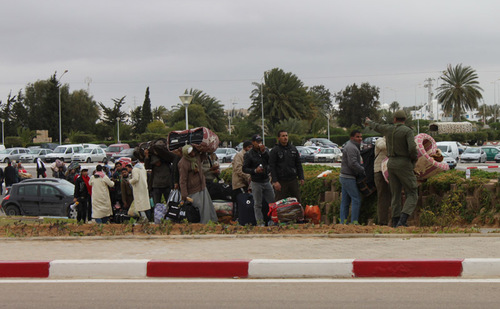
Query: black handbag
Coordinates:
[183,210]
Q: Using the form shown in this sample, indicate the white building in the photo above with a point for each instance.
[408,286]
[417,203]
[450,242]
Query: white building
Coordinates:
[434,111]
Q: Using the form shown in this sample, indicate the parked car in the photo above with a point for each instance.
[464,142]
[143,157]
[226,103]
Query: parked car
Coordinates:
[225,155]
[239,147]
[452,163]
[491,152]
[323,142]
[34,154]
[125,153]
[473,154]
[40,198]
[91,146]
[64,152]
[306,154]
[115,148]
[315,149]
[369,142]
[497,158]
[12,154]
[49,145]
[325,155]
[88,155]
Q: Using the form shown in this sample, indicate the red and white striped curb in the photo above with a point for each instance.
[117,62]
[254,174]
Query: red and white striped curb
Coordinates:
[477,167]
[259,268]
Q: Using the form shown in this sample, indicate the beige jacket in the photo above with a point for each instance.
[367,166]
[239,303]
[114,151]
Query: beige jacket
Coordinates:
[380,154]
[240,179]
[101,203]
[139,182]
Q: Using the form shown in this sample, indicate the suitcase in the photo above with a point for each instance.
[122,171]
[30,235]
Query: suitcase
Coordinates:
[224,210]
[286,210]
[219,191]
[246,214]
[202,138]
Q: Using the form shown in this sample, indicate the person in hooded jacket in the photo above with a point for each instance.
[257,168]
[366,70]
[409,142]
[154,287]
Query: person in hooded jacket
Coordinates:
[139,182]
[101,201]
[82,196]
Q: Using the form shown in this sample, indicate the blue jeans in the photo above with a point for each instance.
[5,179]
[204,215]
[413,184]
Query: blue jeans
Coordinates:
[102,220]
[350,194]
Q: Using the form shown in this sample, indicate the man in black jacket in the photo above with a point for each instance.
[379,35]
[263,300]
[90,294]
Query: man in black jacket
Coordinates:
[11,175]
[286,168]
[161,181]
[256,163]
[82,196]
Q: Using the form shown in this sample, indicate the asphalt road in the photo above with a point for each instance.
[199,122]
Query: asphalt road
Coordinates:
[350,293]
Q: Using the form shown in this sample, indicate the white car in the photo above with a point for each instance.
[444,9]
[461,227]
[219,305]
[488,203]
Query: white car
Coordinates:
[326,155]
[90,155]
[225,155]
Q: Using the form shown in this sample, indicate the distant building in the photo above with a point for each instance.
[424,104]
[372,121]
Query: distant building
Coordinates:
[434,111]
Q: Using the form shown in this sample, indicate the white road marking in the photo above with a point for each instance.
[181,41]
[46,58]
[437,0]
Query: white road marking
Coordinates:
[257,281]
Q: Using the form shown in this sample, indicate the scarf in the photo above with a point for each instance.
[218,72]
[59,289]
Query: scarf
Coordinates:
[100,174]
[193,160]
[86,180]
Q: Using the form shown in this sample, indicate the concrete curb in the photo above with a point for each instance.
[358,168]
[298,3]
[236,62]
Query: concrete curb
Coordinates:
[258,268]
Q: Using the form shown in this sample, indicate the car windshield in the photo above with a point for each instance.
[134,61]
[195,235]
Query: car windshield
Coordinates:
[326,150]
[67,188]
[220,150]
[5,151]
[60,150]
[472,150]
[443,148]
[125,151]
[87,150]
[35,151]
[113,149]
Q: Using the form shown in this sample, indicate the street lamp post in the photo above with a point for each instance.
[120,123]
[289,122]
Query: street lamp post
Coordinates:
[328,126]
[60,126]
[186,99]
[118,129]
[2,120]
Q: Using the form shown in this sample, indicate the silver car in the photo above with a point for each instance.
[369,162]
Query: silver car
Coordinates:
[473,154]
[34,154]
[90,155]
[12,154]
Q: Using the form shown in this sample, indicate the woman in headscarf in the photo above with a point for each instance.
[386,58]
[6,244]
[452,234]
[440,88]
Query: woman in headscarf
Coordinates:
[192,183]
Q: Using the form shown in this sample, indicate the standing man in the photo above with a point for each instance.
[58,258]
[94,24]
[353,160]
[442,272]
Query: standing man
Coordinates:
[126,190]
[350,170]
[286,168]
[402,152]
[11,175]
[101,201]
[383,191]
[161,181]
[139,182]
[82,196]
[240,180]
[40,168]
[256,163]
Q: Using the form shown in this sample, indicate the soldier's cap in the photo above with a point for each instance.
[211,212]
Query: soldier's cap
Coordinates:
[400,114]
[256,138]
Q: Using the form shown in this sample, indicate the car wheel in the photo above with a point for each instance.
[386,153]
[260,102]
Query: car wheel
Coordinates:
[12,210]
[7,160]
[88,160]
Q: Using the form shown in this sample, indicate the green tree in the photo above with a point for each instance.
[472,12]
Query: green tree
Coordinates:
[82,112]
[26,135]
[111,113]
[136,118]
[394,106]
[284,96]
[355,103]
[460,90]
[214,111]
[160,113]
[147,115]
[196,117]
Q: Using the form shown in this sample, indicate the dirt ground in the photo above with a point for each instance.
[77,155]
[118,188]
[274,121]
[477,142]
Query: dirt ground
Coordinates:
[64,229]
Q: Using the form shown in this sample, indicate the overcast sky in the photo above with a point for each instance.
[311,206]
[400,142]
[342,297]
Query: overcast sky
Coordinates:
[118,48]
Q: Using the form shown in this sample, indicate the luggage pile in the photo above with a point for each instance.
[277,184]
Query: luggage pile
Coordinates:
[201,138]
[158,147]
[286,210]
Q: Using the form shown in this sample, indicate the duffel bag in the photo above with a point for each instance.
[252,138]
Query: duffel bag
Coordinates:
[203,139]
[219,191]
[159,147]
[286,210]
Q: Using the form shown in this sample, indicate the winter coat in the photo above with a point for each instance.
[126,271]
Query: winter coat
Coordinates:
[285,163]
[240,179]
[139,182]
[252,160]
[190,181]
[101,202]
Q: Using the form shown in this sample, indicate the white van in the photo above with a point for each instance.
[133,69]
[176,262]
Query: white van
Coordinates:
[64,152]
[449,148]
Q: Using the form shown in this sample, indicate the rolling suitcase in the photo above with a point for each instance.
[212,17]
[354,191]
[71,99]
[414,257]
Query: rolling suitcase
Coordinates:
[246,213]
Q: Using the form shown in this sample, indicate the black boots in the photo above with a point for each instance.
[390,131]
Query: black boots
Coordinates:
[402,220]
[395,221]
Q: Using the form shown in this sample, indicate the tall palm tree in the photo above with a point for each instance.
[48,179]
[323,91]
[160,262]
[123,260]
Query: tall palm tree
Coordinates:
[394,106]
[460,90]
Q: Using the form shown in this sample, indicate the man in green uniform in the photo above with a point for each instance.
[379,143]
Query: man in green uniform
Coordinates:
[402,153]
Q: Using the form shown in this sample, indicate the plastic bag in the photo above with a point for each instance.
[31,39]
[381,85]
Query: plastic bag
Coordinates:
[313,213]
[132,212]
[174,196]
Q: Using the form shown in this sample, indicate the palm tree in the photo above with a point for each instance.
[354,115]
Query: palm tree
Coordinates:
[285,97]
[394,106]
[460,90]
